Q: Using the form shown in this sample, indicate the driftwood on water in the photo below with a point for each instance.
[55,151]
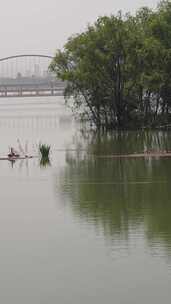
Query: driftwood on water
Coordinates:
[15,158]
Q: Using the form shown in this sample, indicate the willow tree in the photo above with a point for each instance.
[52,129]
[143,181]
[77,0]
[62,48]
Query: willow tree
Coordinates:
[100,68]
[119,70]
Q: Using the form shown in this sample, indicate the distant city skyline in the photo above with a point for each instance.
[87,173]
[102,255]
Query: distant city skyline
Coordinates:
[43,26]
[24,66]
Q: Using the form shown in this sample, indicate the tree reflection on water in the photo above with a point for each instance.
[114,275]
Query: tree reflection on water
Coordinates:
[121,195]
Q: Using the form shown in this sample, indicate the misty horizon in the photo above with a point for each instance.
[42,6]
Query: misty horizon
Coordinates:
[44,26]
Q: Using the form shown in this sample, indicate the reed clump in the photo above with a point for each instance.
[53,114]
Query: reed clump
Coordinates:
[45,162]
[44,151]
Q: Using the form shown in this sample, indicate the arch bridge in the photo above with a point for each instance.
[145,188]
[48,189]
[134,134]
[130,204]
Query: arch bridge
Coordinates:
[28,75]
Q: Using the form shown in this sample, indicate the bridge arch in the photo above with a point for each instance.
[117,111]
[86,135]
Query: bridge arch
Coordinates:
[28,74]
[25,55]
[24,64]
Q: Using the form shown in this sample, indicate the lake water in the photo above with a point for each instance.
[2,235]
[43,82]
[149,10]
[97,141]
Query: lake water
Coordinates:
[85,229]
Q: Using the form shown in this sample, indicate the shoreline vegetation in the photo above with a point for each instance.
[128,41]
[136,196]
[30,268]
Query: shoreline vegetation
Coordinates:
[118,72]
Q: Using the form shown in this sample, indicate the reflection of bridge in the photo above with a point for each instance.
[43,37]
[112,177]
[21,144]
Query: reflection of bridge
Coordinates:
[46,121]
[28,75]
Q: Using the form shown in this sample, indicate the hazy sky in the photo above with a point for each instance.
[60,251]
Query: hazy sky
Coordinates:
[41,26]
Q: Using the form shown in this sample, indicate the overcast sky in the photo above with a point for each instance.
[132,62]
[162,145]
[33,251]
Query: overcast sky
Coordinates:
[41,26]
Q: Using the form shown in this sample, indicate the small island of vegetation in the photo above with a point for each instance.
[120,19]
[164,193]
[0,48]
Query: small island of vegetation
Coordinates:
[119,70]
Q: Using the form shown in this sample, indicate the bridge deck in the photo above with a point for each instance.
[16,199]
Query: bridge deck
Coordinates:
[32,95]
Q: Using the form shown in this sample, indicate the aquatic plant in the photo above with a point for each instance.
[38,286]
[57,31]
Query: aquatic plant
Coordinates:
[44,151]
[45,162]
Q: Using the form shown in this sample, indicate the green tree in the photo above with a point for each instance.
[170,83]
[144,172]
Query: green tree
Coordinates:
[99,67]
[118,71]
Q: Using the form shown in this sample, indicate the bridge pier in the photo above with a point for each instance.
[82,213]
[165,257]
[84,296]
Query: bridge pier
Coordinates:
[37,92]
[52,89]
[20,92]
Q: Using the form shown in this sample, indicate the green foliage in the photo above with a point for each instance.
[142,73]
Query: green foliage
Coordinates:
[45,162]
[44,151]
[119,70]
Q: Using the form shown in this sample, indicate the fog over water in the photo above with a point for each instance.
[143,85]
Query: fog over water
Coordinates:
[37,26]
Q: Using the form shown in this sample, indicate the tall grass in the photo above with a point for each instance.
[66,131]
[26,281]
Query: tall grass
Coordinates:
[45,162]
[44,150]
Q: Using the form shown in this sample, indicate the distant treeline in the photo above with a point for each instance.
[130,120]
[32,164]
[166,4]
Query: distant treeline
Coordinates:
[119,69]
